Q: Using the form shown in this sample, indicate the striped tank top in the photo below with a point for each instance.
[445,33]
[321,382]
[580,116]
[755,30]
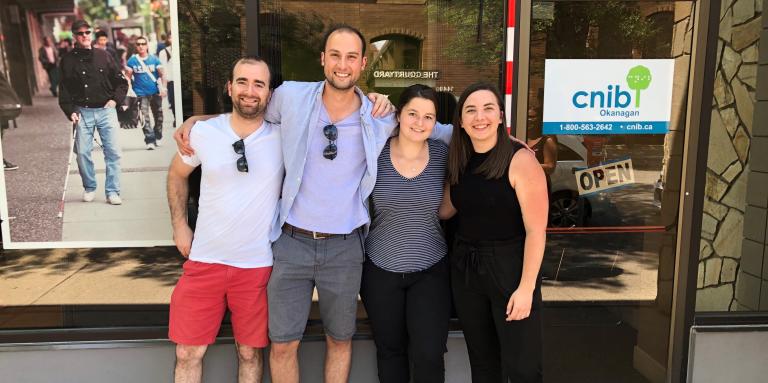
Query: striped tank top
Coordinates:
[405,234]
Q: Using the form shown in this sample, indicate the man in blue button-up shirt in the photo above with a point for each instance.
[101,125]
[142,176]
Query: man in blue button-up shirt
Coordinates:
[331,142]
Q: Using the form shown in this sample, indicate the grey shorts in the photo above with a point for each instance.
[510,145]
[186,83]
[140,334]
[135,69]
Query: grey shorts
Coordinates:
[332,265]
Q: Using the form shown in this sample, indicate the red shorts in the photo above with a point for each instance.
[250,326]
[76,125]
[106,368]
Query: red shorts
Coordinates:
[204,292]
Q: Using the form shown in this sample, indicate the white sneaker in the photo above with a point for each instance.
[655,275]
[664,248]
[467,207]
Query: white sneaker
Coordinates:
[158,143]
[114,199]
[150,146]
[89,196]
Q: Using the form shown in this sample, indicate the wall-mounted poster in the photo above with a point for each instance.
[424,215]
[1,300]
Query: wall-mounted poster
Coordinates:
[96,179]
[607,96]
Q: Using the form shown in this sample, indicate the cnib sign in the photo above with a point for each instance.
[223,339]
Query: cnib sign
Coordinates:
[602,96]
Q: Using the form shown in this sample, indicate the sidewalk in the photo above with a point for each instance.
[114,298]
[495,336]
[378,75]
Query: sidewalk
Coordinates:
[144,214]
[41,148]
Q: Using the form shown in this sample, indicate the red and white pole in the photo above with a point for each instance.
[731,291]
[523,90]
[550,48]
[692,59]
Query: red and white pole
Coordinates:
[510,53]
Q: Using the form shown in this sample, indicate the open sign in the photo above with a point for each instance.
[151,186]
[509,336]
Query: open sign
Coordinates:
[605,176]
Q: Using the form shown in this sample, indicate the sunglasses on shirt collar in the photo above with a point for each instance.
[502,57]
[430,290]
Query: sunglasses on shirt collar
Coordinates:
[331,133]
[242,162]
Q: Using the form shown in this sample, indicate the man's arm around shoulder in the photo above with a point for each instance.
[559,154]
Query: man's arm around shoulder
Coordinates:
[442,132]
[287,91]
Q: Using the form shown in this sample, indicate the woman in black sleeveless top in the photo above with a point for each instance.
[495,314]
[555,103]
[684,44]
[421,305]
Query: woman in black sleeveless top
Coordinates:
[499,193]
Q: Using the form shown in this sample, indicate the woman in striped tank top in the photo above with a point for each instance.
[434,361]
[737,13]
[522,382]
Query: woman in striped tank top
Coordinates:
[499,193]
[405,276]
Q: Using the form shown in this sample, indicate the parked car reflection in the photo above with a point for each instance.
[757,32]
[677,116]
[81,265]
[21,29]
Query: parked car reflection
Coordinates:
[566,207]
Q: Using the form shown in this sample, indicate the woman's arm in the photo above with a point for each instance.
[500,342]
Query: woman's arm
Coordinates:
[527,178]
[446,210]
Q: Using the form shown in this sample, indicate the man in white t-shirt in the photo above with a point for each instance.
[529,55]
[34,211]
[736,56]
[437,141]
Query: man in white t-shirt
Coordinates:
[230,258]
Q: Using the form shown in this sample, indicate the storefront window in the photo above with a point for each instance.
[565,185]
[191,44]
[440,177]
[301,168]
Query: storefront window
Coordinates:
[212,36]
[614,192]
[66,262]
[444,44]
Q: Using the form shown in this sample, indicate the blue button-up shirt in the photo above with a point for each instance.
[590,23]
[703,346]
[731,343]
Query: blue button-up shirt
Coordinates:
[296,106]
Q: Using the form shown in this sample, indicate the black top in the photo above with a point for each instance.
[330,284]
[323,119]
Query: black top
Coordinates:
[405,234]
[487,209]
[538,148]
[90,78]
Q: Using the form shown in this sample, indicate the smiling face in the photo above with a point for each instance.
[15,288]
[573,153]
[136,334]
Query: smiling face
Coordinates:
[249,89]
[417,119]
[343,60]
[481,117]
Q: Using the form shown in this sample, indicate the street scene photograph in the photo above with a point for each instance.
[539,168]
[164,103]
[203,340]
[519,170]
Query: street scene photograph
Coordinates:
[93,175]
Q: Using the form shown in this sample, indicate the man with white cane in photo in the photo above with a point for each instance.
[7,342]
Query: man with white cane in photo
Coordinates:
[92,86]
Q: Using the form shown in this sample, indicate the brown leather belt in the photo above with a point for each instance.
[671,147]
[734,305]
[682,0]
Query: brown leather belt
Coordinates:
[291,230]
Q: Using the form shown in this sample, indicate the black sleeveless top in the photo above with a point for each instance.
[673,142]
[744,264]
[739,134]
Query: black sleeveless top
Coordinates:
[487,209]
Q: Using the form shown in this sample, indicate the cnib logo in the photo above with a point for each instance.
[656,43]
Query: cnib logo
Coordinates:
[639,78]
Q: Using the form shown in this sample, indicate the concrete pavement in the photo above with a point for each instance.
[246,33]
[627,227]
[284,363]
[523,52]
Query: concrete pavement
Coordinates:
[41,149]
[144,214]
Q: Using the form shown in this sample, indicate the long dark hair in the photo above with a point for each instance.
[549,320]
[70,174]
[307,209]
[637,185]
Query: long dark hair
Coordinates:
[411,92]
[499,157]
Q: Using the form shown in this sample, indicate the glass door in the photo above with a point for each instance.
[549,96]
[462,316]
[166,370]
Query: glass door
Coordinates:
[604,110]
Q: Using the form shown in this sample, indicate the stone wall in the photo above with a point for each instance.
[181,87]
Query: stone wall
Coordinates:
[752,278]
[720,271]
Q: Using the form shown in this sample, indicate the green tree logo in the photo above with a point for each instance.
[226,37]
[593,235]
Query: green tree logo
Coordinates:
[638,78]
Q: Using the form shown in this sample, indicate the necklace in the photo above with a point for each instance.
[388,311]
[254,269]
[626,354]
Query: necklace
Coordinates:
[408,163]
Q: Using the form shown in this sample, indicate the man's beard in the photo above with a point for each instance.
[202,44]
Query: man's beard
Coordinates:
[250,112]
[337,86]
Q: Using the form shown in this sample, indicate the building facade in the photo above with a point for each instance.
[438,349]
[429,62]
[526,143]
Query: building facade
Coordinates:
[637,277]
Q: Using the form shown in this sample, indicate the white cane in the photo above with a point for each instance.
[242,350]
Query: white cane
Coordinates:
[66,175]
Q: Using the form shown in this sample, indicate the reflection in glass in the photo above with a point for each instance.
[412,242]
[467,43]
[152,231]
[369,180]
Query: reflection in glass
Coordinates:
[612,252]
[211,39]
[444,44]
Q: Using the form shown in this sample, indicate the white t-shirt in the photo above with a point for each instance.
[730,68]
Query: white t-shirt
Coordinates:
[167,63]
[236,209]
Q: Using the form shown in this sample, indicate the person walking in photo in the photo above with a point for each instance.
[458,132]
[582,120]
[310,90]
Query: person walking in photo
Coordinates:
[230,257]
[166,61]
[102,42]
[92,86]
[405,279]
[48,56]
[499,192]
[147,79]
[10,108]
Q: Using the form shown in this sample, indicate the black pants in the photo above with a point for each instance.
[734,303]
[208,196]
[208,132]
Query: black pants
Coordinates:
[483,276]
[172,100]
[53,79]
[155,103]
[409,314]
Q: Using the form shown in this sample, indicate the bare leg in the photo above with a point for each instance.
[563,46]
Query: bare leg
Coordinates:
[338,359]
[189,364]
[250,364]
[284,362]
